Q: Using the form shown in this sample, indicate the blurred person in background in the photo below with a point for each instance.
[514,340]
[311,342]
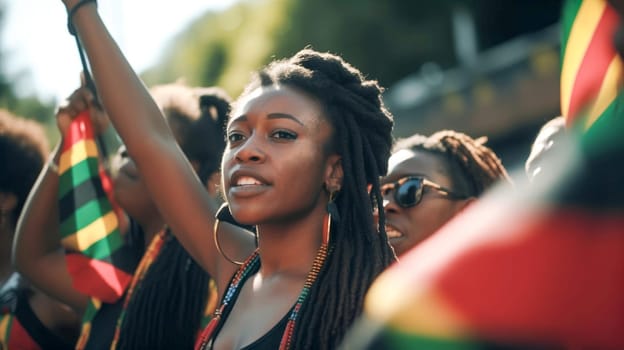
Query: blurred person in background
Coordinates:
[29,319]
[432,179]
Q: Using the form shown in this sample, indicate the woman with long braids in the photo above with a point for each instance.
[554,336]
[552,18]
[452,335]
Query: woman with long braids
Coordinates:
[165,305]
[431,179]
[305,142]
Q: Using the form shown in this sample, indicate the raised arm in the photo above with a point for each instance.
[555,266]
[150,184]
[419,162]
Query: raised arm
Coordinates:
[179,195]
[37,252]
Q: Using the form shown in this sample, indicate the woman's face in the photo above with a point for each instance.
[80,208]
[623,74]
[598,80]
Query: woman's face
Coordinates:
[406,227]
[274,162]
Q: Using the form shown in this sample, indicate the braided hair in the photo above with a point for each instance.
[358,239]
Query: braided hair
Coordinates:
[363,138]
[167,309]
[23,150]
[198,127]
[472,166]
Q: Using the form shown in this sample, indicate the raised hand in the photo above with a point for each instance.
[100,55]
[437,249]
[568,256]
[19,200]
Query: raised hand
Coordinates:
[80,100]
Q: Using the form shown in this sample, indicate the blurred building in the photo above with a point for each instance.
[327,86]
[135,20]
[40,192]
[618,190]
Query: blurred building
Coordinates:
[505,85]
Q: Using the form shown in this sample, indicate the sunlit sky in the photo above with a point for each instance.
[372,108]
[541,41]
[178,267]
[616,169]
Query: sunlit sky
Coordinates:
[42,55]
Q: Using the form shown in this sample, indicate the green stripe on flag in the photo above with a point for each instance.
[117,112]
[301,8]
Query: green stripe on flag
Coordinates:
[90,312]
[105,246]
[77,174]
[9,323]
[606,132]
[569,12]
[84,216]
[397,340]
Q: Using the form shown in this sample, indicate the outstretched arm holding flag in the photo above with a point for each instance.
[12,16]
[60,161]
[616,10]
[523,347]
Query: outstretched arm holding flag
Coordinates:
[68,240]
[149,314]
[38,253]
[139,122]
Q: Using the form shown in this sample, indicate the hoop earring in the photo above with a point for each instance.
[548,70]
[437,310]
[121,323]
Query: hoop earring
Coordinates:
[216,240]
[331,215]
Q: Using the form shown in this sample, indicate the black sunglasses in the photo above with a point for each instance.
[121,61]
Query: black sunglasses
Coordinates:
[408,191]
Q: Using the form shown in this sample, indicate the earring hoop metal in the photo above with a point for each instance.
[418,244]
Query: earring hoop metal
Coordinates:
[216,240]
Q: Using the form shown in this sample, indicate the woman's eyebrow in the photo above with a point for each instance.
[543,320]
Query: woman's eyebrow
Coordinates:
[284,116]
[240,118]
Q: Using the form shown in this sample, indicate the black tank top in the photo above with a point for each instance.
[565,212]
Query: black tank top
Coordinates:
[14,299]
[270,340]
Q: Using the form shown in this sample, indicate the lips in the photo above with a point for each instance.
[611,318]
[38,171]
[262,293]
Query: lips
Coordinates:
[393,233]
[245,176]
[245,183]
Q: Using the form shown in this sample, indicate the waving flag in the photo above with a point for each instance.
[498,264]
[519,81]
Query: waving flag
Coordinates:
[89,225]
[591,67]
[591,72]
[540,267]
[532,277]
[96,255]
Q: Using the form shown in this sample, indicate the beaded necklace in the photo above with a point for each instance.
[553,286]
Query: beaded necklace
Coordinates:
[248,266]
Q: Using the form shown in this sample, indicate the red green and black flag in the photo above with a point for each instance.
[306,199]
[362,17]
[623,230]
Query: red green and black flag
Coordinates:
[591,73]
[539,277]
[541,266]
[96,254]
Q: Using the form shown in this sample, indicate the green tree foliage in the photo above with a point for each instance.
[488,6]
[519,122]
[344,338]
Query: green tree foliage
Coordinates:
[222,48]
[387,39]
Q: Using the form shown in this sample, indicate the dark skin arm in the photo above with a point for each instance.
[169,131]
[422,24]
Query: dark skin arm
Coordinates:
[37,251]
[186,206]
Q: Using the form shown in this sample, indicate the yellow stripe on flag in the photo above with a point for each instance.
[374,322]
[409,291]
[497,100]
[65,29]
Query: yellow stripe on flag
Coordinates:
[4,328]
[608,91]
[85,331]
[582,32]
[94,232]
[80,151]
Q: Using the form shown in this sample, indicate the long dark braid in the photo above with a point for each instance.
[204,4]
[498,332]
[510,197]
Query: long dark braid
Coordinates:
[167,309]
[473,167]
[359,251]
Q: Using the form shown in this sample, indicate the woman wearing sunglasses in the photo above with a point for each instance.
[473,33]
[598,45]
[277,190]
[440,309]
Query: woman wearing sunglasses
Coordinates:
[430,179]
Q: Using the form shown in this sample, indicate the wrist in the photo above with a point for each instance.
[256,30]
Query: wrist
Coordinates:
[74,7]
